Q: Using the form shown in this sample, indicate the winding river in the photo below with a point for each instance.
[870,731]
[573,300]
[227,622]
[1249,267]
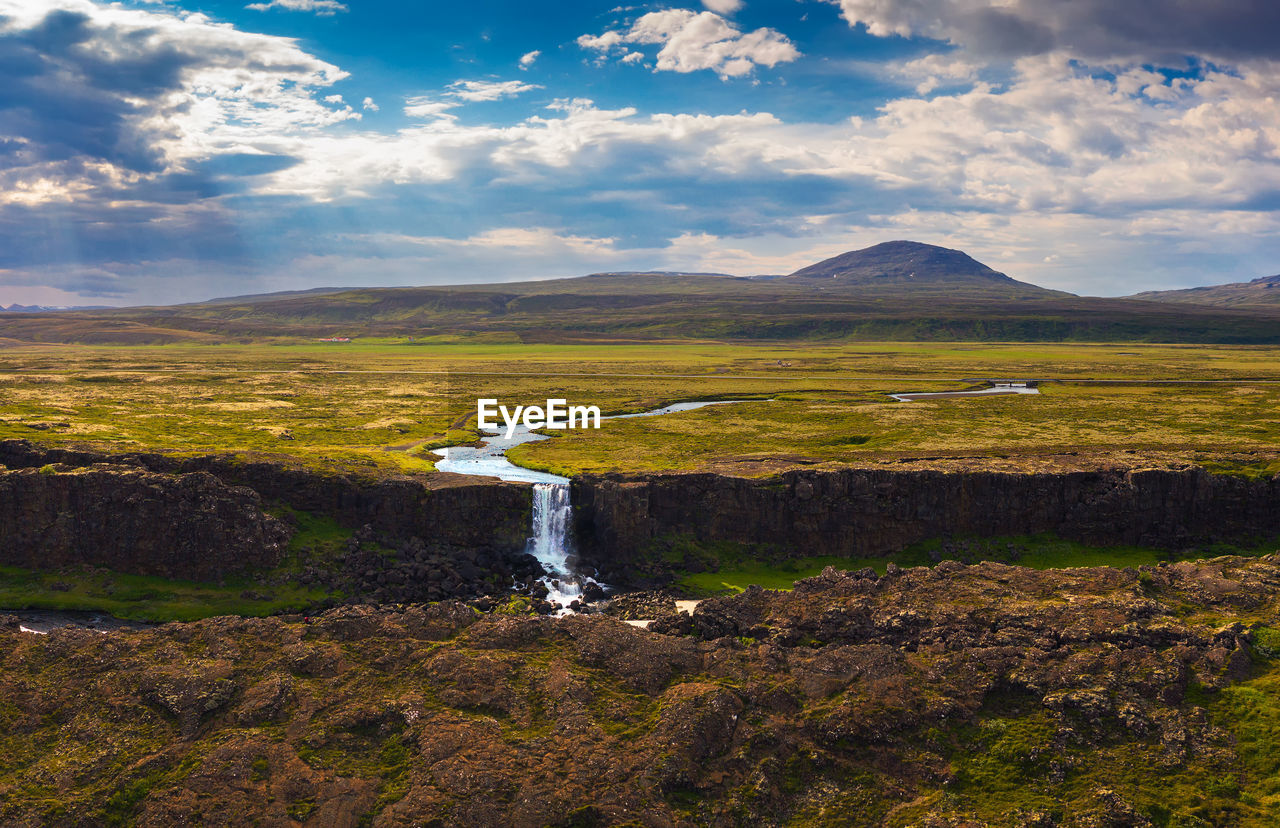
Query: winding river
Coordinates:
[982,392]
[551,534]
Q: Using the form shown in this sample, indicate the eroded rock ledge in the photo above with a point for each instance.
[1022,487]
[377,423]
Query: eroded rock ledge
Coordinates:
[953,696]
[621,520]
[201,518]
[872,512]
[177,526]
[449,509]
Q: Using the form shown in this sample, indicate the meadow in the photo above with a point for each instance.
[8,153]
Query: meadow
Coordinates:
[378,406]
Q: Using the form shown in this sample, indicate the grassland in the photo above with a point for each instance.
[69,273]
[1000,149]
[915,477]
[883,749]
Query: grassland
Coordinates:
[145,598]
[379,405]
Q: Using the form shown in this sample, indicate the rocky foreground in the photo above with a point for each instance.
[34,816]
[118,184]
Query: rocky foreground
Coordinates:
[953,696]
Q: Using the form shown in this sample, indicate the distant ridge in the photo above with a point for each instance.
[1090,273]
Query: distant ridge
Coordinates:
[16,308]
[1264,291]
[268,297]
[657,273]
[896,291]
[908,263]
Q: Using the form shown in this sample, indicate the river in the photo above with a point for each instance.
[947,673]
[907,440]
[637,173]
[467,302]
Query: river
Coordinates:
[551,532]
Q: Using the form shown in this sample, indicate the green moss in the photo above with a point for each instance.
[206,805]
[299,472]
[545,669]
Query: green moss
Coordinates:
[726,568]
[301,809]
[147,598]
[1262,470]
[1250,711]
[1266,641]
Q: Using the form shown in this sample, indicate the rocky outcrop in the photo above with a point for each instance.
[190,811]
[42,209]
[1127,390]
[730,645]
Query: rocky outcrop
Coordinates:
[987,695]
[867,512]
[453,510]
[179,526]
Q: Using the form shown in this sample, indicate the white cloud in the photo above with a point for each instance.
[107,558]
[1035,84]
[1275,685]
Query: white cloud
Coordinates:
[474,90]
[1053,139]
[323,8]
[460,92]
[724,7]
[421,106]
[189,89]
[529,58]
[692,41]
[932,71]
[368,104]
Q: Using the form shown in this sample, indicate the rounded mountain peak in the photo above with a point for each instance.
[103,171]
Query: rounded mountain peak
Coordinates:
[903,261]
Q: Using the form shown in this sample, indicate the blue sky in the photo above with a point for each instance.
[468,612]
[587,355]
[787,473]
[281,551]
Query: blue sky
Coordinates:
[155,152]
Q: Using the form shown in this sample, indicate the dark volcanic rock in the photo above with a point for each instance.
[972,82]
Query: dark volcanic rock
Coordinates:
[867,512]
[186,526]
[1068,698]
[455,510]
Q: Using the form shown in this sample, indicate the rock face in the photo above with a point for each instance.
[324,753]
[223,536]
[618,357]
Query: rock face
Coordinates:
[178,526]
[866,513]
[460,511]
[618,519]
[955,696]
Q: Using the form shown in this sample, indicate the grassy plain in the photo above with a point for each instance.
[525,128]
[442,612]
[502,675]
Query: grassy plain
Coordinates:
[379,405]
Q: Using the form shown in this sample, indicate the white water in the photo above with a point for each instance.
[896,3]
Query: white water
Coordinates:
[42,622]
[552,542]
[551,538]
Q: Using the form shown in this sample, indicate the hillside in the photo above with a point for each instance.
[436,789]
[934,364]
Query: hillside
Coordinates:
[913,265]
[1263,292]
[895,291]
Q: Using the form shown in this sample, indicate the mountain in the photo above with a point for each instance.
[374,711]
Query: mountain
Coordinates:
[269,297]
[1260,292]
[16,308]
[910,264]
[657,273]
[900,291]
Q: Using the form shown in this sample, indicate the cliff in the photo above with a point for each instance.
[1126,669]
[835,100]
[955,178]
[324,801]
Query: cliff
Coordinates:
[441,508]
[869,513]
[179,526]
[620,520]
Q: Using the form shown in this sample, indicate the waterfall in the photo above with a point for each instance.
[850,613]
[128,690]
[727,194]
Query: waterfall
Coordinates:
[551,541]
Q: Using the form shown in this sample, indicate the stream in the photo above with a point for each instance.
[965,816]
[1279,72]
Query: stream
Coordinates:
[551,533]
[999,389]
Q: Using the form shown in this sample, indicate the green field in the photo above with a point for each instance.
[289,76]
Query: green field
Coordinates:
[379,405]
[145,598]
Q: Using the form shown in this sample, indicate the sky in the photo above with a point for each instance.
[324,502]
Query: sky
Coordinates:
[177,150]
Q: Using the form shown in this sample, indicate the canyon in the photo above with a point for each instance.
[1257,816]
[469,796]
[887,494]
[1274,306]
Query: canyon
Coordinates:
[216,523]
